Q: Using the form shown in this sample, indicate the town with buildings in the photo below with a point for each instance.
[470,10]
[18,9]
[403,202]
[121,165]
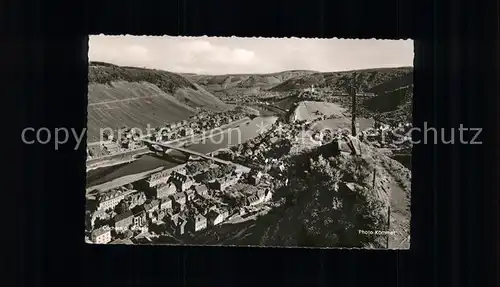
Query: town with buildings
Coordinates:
[320,158]
[177,202]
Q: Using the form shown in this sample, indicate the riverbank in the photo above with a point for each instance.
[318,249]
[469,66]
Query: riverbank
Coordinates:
[116,159]
[128,179]
[129,156]
[141,175]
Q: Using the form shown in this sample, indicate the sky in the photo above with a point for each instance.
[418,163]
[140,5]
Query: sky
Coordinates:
[232,55]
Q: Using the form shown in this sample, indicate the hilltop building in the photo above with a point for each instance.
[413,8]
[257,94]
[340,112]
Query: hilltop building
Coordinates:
[164,190]
[179,223]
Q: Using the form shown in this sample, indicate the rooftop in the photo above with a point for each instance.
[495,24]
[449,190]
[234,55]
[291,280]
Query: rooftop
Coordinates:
[199,217]
[212,214]
[253,198]
[201,188]
[137,209]
[110,195]
[151,205]
[122,216]
[178,195]
[100,231]
[165,199]
[179,176]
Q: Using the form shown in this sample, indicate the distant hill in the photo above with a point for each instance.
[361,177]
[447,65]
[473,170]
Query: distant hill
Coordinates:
[392,104]
[309,110]
[102,64]
[243,84]
[395,83]
[339,81]
[137,97]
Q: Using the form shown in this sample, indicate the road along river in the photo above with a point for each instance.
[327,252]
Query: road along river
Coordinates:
[109,177]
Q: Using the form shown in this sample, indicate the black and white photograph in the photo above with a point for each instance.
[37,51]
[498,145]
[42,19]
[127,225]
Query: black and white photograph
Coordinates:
[263,142]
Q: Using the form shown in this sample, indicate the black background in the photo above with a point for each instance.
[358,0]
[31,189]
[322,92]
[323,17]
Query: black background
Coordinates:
[455,187]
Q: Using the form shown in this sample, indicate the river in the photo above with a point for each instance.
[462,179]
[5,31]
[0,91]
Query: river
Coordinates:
[150,162]
[404,159]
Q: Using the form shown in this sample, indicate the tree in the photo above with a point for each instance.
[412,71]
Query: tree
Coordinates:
[337,215]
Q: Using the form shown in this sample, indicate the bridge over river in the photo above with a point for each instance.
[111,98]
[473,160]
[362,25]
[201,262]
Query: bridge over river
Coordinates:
[163,147]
